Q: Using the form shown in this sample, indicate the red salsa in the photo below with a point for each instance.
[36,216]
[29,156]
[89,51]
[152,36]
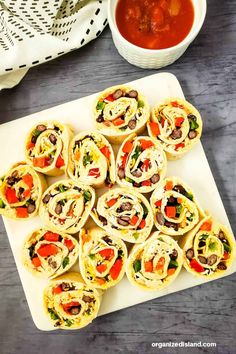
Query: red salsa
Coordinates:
[154,24]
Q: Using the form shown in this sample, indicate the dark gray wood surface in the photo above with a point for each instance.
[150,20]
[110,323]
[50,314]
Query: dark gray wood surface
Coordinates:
[206,313]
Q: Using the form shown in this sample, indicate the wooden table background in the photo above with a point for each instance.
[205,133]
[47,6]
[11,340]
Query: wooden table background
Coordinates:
[206,313]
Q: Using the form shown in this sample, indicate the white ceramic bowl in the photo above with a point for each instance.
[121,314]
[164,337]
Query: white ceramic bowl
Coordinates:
[154,58]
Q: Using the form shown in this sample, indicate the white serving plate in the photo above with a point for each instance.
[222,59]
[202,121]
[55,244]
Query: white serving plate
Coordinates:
[193,168]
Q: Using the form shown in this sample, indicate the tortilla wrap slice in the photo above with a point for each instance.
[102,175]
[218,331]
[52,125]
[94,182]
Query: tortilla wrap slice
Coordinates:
[21,189]
[70,303]
[46,147]
[177,125]
[124,213]
[66,205]
[209,249]
[175,207]
[102,258]
[119,111]
[91,160]
[154,264]
[141,163]
[48,254]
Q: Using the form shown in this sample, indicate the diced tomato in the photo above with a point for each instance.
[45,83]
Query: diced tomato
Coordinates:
[77,155]
[160,263]
[51,236]
[110,98]
[169,186]
[146,183]
[107,253]
[179,200]
[28,179]
[60,162]
[148,266]
[36,261]
[171,271]
[30,145]
[170,211]
[111,202]
[21,212]
[94,172]
[146,144]
[178,121]
[118,121]
[206,226]
[11,195]
[116,268]
[57,290]
[145,165]
[40,162]
[127,147]
[105,150]
[133,220]
[154,128]
[101,268]
[180,145]
[48,250]
[26,193]
[176,104]
[157,17]
[69,244]
[142,224]
[158,203]
[101,281]
[196,266]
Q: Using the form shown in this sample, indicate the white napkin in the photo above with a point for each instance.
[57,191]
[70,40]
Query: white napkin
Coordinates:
[35,31]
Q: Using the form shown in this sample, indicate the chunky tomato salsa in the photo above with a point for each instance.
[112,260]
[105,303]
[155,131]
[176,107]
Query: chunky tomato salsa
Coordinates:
[154,24]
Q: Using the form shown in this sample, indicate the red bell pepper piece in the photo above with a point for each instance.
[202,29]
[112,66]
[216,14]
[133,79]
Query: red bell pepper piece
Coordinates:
[170,211]
[134,220]
[11,195]
[148,266]
[60,162]
[116,268]
[48,250]
[118,121]
[158,203]
[127,147]
[51,236]
[154,128]
[40,162]
[142,224]
[110,98]
[147,183]
[178,121]
[180,145]
[106,151]
[28,180]
[111,202]
[176,104]
[36,261]
[196,266]
[69,244]
[101,268]
[206,226]
[57,290]
[107,253]
[94,172]
[146,144]
[145,165]
[21,212]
